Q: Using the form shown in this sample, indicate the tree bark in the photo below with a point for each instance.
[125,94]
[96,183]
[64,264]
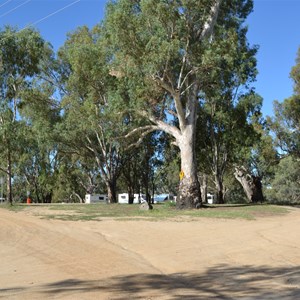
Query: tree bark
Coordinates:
[78,197]
[189,195]
[203,187]
[251,184]
[111,192]
[220,189]
[130,191]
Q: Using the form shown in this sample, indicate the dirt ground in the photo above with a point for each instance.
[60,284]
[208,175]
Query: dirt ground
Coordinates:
[110,259]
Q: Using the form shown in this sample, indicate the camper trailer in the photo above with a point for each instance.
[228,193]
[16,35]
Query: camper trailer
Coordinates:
[210,199]
[138,198]
[95,198]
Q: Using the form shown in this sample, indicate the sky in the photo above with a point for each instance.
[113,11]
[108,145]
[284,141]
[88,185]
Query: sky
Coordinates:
[274,26]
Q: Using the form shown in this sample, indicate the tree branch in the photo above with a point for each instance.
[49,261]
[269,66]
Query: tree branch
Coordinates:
[176,96]
[172,113]
[161,125]
[182,93]
[148,129]
[101,144]
[4,171]
[192,71]
[179,84]
[211,21]
[138,142]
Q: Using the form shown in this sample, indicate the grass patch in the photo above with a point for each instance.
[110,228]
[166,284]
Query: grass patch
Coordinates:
[70,217]
[165,211]
[12,207]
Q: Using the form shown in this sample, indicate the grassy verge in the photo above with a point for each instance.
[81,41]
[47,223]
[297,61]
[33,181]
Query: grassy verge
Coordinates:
[86,212]
[13,207]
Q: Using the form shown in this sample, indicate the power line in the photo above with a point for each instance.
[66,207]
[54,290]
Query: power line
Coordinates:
[5,3]
[13,9]
[51,14]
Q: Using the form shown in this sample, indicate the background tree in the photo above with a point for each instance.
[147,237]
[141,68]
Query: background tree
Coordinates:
[223,114]
[245,170]
[228,137]
[285,187]
[139,164]
[285,123]
[20,56]
[166,174]
[264,156]
[91,127]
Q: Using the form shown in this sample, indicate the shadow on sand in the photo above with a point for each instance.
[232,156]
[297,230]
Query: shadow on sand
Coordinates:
[221,282]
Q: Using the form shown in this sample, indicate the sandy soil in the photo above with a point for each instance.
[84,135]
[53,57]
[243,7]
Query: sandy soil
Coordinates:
[109,259]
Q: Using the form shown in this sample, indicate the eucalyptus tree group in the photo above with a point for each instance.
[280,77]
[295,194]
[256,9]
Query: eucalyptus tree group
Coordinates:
[156,97]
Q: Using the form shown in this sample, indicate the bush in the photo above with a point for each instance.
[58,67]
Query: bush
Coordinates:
[285,187]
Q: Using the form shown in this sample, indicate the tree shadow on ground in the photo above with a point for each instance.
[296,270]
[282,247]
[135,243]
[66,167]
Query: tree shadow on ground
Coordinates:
[220,282]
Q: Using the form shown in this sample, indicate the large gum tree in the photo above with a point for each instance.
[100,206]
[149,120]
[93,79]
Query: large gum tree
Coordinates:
[162,50]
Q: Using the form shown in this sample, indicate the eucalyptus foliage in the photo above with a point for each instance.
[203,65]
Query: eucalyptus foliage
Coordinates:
[20,57]
[173,55]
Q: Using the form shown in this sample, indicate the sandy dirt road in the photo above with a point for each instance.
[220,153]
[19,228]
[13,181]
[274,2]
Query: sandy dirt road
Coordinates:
[109,259]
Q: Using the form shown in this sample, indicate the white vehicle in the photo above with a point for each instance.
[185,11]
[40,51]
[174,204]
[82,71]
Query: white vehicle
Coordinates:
[138,198]
[95,198]
[210,199]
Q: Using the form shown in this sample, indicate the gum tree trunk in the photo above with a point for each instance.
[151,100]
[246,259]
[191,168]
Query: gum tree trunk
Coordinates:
[189,195]
[111,191]
[251,185]
[220,189]
[203,187]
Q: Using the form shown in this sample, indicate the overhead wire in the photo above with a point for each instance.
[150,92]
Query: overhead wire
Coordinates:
[51,14]
[5,3]
[13,9]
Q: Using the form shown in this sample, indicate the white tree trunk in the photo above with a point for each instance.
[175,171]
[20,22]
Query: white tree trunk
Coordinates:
[189,195]
[203,186]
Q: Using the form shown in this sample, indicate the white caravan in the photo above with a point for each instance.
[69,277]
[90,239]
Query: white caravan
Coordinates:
[95,198]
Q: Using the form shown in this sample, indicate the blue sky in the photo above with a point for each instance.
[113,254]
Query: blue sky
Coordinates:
[274,26]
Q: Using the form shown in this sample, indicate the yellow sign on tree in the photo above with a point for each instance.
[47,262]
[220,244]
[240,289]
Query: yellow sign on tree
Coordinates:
[181,175]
